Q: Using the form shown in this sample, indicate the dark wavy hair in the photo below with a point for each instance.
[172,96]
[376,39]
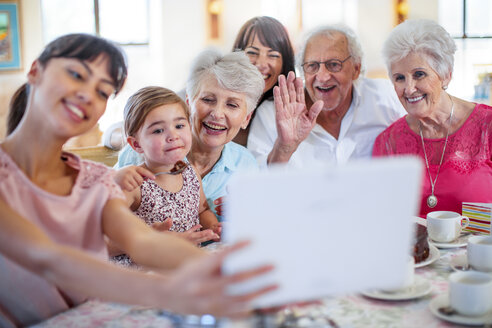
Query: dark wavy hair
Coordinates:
[271,33]
[84,47]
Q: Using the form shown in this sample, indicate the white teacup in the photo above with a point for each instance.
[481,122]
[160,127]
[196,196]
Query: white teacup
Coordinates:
[408,279]
[479,253]
[470,293]
[445,226]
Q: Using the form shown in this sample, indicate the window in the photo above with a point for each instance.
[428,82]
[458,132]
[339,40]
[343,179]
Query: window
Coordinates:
[468,21]
[126,25]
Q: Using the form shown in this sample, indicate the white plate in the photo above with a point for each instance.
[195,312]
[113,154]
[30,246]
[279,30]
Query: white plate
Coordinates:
[421,287]
[460,242]
[434,255]
[443,301]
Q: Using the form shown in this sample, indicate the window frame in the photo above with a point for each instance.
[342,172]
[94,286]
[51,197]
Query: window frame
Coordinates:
[464,34]
[98,25]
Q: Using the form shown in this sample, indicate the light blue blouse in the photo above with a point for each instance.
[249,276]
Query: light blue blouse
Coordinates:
[234,158]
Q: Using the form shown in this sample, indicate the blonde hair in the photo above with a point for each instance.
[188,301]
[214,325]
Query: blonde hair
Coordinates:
[140,104]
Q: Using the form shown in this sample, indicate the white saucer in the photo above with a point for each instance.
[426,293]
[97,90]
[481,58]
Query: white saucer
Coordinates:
[434,255]
[460,263]
[421,287]
[460,242]
[443,301]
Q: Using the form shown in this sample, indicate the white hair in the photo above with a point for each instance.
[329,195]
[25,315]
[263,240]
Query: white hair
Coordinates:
[233,71]
[331,31]
[424,37]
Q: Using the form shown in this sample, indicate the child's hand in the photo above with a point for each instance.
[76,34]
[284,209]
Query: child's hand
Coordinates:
[164,225]
[197,236]
[218,205]
[217,229]
[131,177]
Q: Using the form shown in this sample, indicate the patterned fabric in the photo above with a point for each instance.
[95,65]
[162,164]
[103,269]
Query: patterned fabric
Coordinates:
[73,220]
[348,310]
[158,204]
[466,171]
[234,158]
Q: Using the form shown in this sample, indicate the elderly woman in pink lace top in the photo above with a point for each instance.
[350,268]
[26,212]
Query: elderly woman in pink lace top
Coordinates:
[452,136]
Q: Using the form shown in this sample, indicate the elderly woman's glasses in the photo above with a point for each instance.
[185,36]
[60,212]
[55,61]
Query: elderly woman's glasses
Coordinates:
[332,65]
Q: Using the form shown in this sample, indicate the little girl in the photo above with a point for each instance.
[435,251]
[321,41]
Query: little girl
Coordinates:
[56,209]
[157,127]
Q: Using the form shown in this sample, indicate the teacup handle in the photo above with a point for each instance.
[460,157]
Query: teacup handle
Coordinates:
[467,222]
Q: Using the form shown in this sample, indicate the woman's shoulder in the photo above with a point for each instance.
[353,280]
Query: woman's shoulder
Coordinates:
[480,118]
[90,172]
[239,156]
[7,165]
[394,139]
[398,126]
[128,156]
[483,111]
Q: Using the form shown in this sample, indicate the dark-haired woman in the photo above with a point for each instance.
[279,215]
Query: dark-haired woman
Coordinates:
[266,42]
[56,210]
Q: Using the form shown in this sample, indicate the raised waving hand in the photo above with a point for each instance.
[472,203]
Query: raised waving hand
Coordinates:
[293,119]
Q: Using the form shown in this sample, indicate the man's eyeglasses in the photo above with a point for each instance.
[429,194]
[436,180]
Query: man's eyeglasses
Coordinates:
[332,65]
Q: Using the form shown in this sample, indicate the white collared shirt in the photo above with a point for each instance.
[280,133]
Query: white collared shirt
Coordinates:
[374,107]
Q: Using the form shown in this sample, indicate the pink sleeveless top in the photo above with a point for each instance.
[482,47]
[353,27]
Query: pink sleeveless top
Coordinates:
[73,220]
[466,170]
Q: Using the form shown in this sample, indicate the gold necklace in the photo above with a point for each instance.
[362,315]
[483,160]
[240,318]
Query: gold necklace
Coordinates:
[432,199]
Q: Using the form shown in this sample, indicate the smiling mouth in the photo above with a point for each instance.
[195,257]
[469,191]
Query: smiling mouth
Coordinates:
[76,111]
[415,99]
[325,89]
[214,127]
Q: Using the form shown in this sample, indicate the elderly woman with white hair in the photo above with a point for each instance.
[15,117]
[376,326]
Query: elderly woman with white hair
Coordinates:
[222,92]
[451,135]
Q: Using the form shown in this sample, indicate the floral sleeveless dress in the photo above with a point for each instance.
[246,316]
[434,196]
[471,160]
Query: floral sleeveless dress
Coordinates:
[158,204]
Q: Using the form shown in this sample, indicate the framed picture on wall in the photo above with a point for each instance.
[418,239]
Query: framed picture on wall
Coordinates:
[10,45]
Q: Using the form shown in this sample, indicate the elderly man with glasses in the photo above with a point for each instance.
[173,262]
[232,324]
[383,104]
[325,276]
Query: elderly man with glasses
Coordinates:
[335,116]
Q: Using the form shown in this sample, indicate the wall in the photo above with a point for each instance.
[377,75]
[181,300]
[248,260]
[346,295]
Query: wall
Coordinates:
[372,38]
[31,43]
[423,9]
[178,33]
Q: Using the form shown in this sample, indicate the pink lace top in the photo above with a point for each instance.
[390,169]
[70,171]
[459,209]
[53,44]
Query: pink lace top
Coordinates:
[73,220]
[466,171]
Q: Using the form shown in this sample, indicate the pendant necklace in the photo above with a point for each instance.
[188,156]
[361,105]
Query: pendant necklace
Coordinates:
[178,168]
[432,199]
